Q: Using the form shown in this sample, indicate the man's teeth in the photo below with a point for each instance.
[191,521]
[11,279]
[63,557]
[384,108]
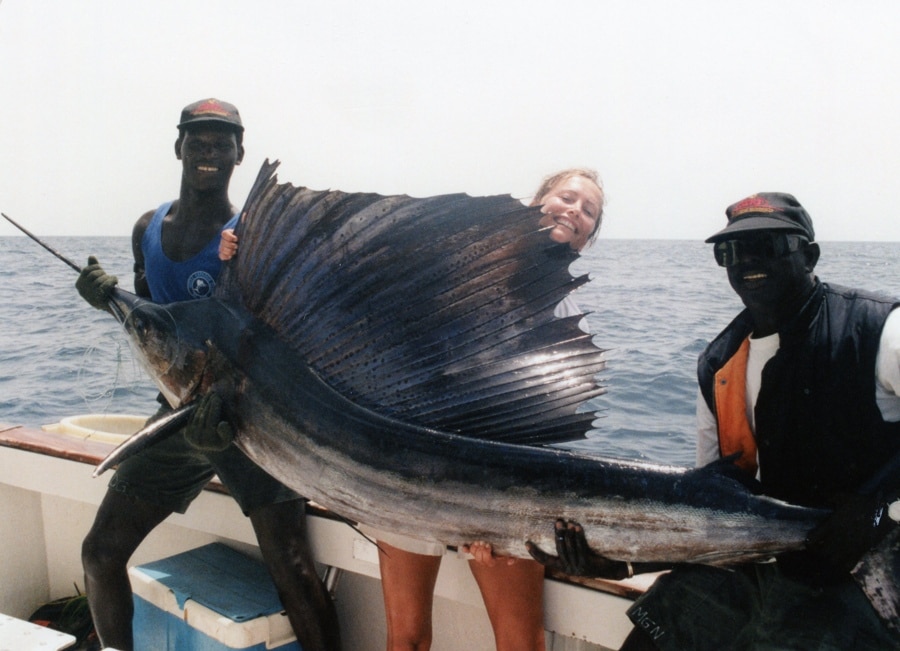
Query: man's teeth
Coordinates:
[207,168]
[753,277]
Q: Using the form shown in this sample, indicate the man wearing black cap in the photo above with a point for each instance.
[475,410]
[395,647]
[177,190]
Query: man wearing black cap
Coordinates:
[802,387]
[176,258]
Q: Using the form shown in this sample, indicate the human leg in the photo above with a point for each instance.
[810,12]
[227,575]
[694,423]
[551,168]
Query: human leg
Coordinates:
[278,516]
[161,479]
[407,583]
[513,595]
[281,532]
[119,527]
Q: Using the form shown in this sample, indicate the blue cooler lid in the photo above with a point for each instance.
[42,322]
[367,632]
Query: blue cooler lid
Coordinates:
[220,578]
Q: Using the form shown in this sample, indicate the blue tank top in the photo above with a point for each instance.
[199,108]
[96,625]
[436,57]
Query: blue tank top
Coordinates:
[171,281]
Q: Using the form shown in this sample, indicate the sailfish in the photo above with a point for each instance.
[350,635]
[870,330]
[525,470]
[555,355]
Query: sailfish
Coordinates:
[397,360]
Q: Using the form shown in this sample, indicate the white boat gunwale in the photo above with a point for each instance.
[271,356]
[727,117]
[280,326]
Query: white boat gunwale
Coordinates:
[47,468]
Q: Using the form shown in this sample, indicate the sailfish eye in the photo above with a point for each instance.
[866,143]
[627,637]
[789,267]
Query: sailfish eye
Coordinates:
[137,323]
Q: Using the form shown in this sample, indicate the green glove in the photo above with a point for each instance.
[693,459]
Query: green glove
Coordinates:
[206,430]
[95,285]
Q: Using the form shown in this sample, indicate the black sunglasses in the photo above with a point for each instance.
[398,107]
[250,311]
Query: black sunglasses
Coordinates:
[728,253]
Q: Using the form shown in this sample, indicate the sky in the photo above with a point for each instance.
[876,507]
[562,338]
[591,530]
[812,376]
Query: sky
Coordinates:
[682,107]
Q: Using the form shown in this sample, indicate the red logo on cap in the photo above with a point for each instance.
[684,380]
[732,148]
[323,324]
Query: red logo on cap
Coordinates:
[751,204]
[211,106]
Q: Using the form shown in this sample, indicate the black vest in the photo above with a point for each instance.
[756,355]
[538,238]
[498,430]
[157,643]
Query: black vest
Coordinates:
[818,427]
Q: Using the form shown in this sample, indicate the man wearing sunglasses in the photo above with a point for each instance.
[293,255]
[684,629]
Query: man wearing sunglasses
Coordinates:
[802,389]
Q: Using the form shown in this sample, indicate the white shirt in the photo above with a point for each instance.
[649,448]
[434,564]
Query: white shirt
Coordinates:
[568,307]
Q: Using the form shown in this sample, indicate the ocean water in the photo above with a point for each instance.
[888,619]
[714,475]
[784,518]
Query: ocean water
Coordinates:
[654,304]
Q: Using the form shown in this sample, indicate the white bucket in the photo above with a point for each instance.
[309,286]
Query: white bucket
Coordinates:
[110,428]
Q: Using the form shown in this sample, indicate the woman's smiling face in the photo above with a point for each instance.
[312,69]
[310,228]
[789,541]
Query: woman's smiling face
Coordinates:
[572,207]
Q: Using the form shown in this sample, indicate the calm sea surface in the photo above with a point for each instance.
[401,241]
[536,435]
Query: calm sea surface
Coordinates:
[654,304]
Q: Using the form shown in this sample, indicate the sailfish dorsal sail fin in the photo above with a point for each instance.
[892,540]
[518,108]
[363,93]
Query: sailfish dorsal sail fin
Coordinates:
[436,311]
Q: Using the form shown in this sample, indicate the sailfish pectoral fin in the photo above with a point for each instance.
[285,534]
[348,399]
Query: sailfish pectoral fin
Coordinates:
[151,434]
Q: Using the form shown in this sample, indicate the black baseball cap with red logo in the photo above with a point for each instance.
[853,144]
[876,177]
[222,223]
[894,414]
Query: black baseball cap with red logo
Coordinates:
[766,211]
[211,111]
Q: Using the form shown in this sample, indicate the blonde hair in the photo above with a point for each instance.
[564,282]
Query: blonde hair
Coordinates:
[553,180]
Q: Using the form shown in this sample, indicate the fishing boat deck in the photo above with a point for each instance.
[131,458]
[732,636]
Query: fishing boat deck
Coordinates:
[48,471]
